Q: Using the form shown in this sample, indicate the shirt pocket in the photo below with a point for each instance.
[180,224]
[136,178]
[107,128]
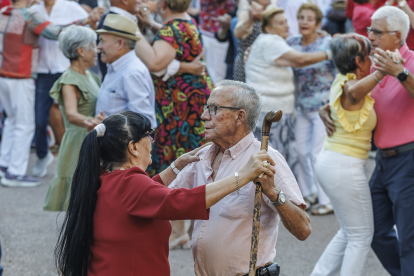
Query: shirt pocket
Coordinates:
[237,205]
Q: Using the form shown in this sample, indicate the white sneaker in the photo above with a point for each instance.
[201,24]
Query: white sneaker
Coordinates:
[11,180]
[40,169]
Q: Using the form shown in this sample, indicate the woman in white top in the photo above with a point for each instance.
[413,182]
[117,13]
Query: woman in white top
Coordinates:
[268,70]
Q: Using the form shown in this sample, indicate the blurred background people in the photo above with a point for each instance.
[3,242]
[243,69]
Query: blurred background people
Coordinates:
[340,166]
[268,70]
[76,90]
[52,63]
[179,99]
[214,50]
[291,10]
[312,83]
[247,29]
[129,85]
[21,31]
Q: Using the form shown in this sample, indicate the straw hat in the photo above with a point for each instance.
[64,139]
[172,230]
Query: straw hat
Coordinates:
[119,25]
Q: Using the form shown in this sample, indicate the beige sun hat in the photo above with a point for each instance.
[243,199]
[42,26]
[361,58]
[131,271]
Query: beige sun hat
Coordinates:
[119,25]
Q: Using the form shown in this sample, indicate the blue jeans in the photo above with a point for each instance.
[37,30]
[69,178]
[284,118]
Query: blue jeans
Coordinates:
[43,103]
[392,191]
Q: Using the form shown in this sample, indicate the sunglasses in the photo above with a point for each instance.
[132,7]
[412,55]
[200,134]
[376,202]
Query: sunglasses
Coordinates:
[151,135]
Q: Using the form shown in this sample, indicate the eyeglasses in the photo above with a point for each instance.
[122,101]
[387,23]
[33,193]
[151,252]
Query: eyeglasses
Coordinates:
[212,109]
[151,135]
[378,33]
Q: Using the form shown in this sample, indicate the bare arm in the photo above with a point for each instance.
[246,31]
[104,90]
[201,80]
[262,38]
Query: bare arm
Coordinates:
[298,59]
[156,57]
[195,67]
[294,218]
[219,189]
[71,97]
[246,16]
[356,90]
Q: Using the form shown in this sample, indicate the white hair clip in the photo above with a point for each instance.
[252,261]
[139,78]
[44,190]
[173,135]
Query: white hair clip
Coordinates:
[100,129]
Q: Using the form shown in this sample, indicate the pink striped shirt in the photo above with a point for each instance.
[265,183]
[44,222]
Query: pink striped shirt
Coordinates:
[394,108]
[221,245]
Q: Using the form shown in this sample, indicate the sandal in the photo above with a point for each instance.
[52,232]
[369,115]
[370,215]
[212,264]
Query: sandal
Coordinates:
[323,210]
[310,200]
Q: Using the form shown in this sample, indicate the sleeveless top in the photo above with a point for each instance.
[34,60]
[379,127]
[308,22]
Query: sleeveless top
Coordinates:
[353,128]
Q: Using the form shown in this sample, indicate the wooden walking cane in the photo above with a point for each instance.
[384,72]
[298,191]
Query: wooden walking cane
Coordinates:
[271,117]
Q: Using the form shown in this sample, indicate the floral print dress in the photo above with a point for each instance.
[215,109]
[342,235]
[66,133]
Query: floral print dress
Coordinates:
[179,100]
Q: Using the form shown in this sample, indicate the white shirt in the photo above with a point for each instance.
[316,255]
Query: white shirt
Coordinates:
[275,83]
[127,87]
[124,13]
[221,244]
[51,58]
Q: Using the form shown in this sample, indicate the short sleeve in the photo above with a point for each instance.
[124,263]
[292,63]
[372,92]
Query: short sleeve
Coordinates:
[341,112]
[274,47]
[169,33]
[285,181]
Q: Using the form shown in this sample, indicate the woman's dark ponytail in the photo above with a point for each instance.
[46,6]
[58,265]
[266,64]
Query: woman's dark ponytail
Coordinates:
[77,228]
[73,247]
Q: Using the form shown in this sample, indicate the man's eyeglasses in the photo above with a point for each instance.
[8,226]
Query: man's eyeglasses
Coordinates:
[212,109]
[378,33]
[151,135]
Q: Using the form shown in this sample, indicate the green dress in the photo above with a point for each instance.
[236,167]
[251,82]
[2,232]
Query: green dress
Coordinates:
[57,197]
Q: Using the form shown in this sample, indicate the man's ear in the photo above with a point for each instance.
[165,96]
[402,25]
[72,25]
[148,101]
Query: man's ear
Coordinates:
[240,117]
[398,38]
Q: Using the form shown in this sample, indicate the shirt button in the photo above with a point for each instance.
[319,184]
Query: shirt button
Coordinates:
[199,259]
[234,156]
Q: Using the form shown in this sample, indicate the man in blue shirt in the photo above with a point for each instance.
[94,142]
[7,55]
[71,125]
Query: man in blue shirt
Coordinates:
[128,84]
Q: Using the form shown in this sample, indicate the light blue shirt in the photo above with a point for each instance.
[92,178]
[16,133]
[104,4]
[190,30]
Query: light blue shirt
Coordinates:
[127,87]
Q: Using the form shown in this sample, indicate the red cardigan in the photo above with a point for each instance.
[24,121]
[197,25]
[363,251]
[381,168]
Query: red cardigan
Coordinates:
[131,223]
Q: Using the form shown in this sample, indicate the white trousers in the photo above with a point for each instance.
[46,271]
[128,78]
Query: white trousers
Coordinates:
[344,181]
[17,97]
[310,134]
[215,55]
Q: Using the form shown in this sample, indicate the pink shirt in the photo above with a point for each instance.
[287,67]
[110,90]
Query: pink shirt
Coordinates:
[221,245]
[394,108]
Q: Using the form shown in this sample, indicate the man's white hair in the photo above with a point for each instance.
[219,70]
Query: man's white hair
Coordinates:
[396,19]
[246,98]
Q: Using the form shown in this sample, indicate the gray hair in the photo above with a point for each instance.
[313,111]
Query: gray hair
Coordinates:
[246,98]
[396,19]
[129,43]
[345,48]
[75,37]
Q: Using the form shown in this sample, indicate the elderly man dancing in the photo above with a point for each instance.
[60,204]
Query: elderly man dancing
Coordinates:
[221,245]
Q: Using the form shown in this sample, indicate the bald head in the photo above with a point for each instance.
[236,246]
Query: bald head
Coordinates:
[131,6]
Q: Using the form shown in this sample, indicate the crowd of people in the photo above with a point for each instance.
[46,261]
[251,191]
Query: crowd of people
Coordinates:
[156,108]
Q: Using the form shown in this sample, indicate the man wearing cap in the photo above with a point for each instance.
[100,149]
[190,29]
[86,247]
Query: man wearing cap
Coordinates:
[128,84]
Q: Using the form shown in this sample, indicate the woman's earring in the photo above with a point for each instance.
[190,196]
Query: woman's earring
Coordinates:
[162,10]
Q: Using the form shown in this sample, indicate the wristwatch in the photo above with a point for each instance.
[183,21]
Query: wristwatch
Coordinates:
[281,199]
[403,75]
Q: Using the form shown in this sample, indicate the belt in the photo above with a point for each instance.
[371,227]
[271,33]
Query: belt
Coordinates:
[272,269]
[396,150]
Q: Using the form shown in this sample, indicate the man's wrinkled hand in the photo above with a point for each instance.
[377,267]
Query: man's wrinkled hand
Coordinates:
[324,113]
[268,184]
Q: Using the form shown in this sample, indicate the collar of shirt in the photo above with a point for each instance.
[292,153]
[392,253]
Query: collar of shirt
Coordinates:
[117,64]
[234,151]
[124,13]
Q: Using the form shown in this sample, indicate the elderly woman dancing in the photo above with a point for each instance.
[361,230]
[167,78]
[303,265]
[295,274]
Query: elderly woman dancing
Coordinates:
[340,166]
[312,92]
[76,91]
[268,71]
[117,219]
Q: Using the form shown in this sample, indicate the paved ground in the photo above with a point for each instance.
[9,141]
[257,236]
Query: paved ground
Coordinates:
[28,236]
